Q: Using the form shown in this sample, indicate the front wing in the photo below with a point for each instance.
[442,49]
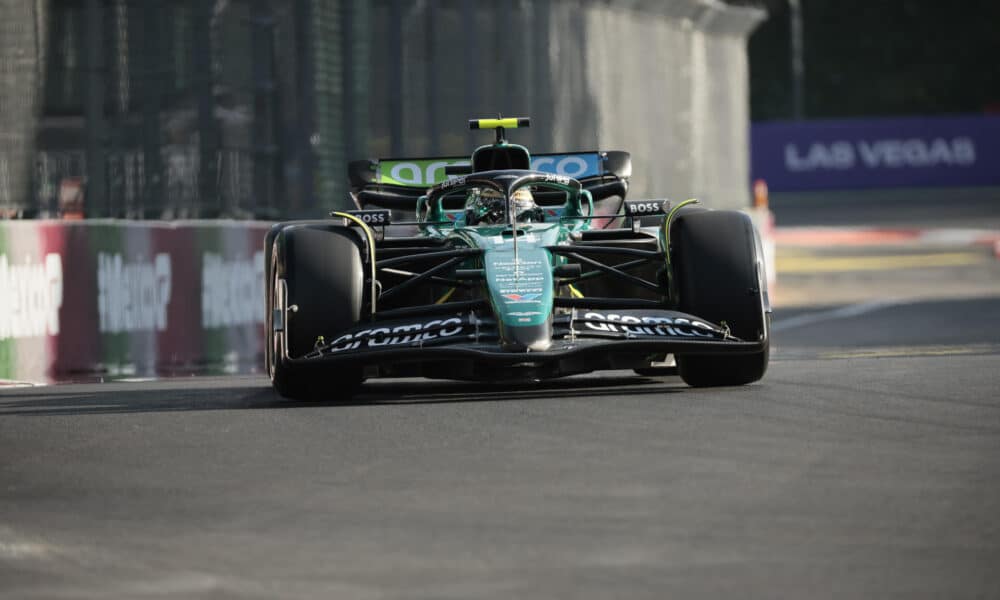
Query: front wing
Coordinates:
[467,346]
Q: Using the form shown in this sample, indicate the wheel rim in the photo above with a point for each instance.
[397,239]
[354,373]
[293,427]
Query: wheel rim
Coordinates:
[274,340]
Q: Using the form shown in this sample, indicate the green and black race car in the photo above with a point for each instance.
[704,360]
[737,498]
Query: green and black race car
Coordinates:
[508,272]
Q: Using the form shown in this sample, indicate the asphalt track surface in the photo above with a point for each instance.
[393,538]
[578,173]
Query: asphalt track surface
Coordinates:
[866,464]
[952,207]
[851,470]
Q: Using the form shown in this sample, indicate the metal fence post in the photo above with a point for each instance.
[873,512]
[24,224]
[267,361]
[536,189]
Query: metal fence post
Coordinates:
[541,76]
[798,63]
[207,203]
[346,46]
[306,106]
[151,203]
[395,42]
[263,151]
[431,79]
[357,39]
[95,128]
[472,66]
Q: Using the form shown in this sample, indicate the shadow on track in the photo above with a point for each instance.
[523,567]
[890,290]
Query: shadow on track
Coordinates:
[198,394]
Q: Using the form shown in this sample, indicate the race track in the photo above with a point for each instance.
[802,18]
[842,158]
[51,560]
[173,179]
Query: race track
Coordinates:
[866,464]
[850,471]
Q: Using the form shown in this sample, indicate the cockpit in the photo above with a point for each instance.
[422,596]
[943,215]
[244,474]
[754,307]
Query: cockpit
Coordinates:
[486,206]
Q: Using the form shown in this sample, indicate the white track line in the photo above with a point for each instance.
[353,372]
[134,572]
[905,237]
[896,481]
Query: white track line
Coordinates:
[844,312]
[11,383]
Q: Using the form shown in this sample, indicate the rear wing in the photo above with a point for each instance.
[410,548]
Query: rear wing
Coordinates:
[397,182]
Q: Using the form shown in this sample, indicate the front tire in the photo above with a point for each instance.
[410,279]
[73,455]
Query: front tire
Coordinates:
[720,277]
[323,278]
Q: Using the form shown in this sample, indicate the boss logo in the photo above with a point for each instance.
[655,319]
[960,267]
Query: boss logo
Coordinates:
[641,208]
[373,217]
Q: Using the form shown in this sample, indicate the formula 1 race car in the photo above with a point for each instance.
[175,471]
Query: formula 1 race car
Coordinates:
[504,273]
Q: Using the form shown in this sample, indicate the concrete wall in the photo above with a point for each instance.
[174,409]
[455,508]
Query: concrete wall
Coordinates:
[667,81]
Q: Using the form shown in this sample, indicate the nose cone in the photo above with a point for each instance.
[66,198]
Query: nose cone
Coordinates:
[530,338]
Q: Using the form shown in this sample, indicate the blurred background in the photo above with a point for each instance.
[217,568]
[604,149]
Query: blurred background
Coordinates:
[151,109]
[251,108]
[864,112]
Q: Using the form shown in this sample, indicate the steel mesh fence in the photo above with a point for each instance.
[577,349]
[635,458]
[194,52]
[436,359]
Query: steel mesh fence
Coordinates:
[163,108]
[22,48]
[665,81]
[251,108]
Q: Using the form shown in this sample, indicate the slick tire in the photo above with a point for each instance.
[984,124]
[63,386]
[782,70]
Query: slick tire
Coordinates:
[715,260]
[324,278]
[270,255]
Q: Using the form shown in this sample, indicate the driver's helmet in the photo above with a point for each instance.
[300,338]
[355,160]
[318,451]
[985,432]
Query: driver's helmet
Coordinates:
[525,209]
[486,206]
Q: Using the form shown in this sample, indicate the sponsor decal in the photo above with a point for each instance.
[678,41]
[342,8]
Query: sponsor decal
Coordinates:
[408,334]
[503,239]
[511,264]
[563,179]
[649,325]
[569,165]
[416,172]
[456,182]
[639,208]
[425,173]
[880,154]
[32,294]
[230,290]
[372,217]
[514,298]
[133,296]
[883,152]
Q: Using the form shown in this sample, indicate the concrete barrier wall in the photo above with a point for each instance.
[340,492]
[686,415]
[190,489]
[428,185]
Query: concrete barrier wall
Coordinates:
[115,298]
[666,81]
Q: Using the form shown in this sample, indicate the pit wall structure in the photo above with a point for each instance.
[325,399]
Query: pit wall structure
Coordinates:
[91,299]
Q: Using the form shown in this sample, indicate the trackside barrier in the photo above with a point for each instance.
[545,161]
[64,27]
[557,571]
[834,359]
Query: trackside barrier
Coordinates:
[115,298]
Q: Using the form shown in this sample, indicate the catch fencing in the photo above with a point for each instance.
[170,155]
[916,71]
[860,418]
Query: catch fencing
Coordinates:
[165,109]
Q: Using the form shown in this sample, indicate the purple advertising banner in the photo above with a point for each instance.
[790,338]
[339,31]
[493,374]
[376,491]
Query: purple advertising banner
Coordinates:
[872,153]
